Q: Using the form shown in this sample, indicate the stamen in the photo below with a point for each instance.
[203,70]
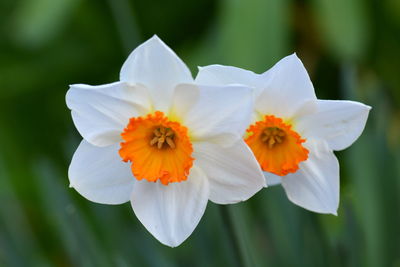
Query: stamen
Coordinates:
[154,140]
[273,136]
[157,132]
[170,142]
[163,135]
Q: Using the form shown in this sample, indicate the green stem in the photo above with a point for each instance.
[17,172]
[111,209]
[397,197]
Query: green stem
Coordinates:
[233,235]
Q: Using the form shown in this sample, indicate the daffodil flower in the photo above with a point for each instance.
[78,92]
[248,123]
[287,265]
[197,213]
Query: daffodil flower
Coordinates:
[162,142]
[292,133]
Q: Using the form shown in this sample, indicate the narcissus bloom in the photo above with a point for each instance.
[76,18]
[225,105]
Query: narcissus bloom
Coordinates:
[292,133]
[162,142]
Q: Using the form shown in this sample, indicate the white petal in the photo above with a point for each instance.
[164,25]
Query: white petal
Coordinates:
[287,87]
[233,173]
[171,213]
[185,96]
[220,113]
[272,179]
[315,186]
[156,66]
[225,75]
[100,175]
[100,113]
[340,123]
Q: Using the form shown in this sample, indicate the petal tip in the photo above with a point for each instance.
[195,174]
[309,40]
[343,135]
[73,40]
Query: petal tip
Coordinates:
[171,244]
[156,40]
[295,57]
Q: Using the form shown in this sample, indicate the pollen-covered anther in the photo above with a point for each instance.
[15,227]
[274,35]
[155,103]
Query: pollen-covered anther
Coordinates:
[163,137]
[273,136]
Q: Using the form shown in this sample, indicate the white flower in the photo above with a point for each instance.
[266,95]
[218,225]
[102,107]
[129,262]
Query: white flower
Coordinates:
[162,142]
[292,133]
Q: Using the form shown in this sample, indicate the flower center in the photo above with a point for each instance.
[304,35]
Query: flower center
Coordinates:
[276,146]
[163,137]
[159,149]
[273,136]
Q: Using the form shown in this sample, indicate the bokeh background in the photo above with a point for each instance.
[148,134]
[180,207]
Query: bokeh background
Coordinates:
[351,50]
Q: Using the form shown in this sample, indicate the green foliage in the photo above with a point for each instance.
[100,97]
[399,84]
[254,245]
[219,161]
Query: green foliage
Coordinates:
[350,49]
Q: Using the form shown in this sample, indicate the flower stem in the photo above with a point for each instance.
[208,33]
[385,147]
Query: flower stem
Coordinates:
[233,234]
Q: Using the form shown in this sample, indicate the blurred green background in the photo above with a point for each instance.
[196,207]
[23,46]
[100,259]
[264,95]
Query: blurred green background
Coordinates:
[351,50]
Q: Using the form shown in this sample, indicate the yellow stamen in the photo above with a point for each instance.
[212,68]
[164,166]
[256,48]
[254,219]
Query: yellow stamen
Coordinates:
[162,136]
[273,136]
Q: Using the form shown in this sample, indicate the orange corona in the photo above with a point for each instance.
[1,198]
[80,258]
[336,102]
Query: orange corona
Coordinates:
[276,146]
[159,149]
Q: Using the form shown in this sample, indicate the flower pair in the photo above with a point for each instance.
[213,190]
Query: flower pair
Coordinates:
[168,143]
